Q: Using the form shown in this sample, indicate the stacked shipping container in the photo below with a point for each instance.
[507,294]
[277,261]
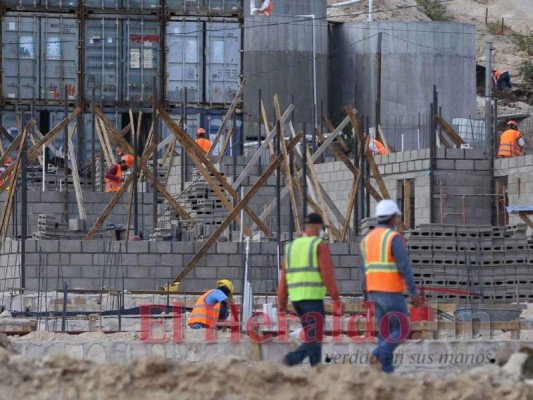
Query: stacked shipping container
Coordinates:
[118,54]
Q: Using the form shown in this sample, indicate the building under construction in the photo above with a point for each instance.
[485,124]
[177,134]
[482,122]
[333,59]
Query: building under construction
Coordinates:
[286,100]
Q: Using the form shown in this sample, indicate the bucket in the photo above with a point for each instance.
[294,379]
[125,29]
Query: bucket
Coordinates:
[423,313]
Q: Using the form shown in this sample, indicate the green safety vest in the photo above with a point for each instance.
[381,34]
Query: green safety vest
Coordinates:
[303,276]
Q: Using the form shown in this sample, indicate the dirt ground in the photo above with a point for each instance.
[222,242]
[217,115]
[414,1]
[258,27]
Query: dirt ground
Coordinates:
[61,377]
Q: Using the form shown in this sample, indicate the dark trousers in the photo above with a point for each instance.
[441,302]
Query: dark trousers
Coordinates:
[311,314]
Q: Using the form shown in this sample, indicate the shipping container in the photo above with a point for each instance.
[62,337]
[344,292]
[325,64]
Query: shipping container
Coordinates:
[184,62]
[39,57]
[122,57]
[228,7]
[194,119]
[108,5]
[131,5]
[223,61]
[40,4]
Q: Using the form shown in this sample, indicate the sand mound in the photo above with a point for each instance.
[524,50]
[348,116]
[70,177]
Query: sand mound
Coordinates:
[61,377]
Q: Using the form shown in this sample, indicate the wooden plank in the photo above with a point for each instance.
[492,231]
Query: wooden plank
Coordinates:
[9,151]
[6,212]
[318,189]
[375,172]
[231,216]
[407,183]
[118,195]
[108,160]
[373,192]
[383,139]
[159,186]
[331,128]
[108,146]
[122,133]
[316,155]
[526,219]
[351,111]
[286,163]
[444,142]
[454,136]
[228,115]
[225,144]
[267,128]
[198,157]
[6,134]
[351,201]
[339,154]
[75,175]
[261,149]
[40,158]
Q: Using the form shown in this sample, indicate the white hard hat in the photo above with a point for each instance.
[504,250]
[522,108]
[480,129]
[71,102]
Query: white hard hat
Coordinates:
[387,208]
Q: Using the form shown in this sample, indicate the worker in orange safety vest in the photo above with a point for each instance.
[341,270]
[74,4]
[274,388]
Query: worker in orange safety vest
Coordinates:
[376,146]
[212,306]
[511,141]
[114,176]
[501,79]
[3,169]
[266,8]
[386,272]
[202,141]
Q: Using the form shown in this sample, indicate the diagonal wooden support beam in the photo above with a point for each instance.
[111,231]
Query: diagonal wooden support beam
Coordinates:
[286,164]
[315,157]
[331,128]
[9,151]
[226,118]
[225,144]
[198,157]
[75,175]
[159,186]
[231,216]
[36,150]
[270,136]
[6,134]
[118,195]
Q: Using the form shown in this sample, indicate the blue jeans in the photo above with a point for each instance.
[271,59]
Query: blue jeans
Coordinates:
[389,339]
[311,313]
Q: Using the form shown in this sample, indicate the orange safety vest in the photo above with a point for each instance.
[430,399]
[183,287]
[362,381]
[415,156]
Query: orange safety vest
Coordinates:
[114,186]
[499,73]
[269,9]
[204,313]
[204,144]
[509,144]
[381,148]
[381,271]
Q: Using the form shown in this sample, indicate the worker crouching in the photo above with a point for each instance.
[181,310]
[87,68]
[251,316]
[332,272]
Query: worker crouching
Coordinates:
[114,176]
[307,273]
[212,306]
[386,271]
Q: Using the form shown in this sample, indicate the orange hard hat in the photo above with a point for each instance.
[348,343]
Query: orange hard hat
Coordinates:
[128,159]
[200,131]
[8,160]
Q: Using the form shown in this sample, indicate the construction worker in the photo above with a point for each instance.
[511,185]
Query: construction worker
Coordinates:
[114,175]
[501,79]
[375,145]
[212,306]
[3,169]
[511,141]
[307,272]
[202,141]
[386,271]
[265,10]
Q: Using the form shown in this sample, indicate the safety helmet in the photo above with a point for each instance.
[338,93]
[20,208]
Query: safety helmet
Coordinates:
[120,152]
[227,283]
[8,161]
[512,123]
[128,159]
[386,209]
[200,131]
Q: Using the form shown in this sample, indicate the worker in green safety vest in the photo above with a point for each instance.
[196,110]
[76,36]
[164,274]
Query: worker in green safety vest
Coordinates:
[307,273]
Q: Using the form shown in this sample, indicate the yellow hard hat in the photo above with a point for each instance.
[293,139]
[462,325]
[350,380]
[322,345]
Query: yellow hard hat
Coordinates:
[227,283]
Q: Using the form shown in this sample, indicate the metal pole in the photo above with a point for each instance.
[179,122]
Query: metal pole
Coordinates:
[23,214]
[135,180]
[155,166]
[278,190]
[378,85]
[488,99]
[64,312]
[185,122]
[66,154]
[259,167]
[304,173]
[370,10]
[234,159]
[315,118]
[182,163]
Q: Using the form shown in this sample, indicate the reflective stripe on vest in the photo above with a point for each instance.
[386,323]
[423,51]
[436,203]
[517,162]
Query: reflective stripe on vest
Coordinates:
[509,144]
[381,271]
[114,186]
[304,281]
[204,313]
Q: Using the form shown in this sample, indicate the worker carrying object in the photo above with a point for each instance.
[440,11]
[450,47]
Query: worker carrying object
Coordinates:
[511,141]
[265,10]
[386,271]
[307,272]
[501,79]
[202,141]
[114,176]
[212,306]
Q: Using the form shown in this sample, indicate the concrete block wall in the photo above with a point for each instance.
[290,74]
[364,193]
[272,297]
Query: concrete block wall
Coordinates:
[53,203]
[518,172]
[148,265]
[9,265]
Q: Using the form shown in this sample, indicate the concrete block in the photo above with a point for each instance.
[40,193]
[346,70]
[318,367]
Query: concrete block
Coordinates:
[146,260]
[169,259]
[72,271]
[455,154]
[400,157]
[482,165]
[414,155]
[411,165]
[396,168]
[33,259]
[464,164]
[497,164]
[342,274]
[528,160]
[81,259]
[419,164]
[216,260]
[235,260]
[49,246]
[392,157]
[31,246]
[520,161]
[90,271]
[202,272]
[182,247]
[426,164]
[388,169]
[138,272]
[138,247]
[504,163]
[339,248]
[440,153]
[404,167]
[512,162]
[347,262]
[92,246]
[406,156]
[70,246]
[227,248]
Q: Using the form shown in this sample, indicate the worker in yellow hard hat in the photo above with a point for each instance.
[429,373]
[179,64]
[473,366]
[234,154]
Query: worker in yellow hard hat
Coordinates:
[212,306]
[114,176]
